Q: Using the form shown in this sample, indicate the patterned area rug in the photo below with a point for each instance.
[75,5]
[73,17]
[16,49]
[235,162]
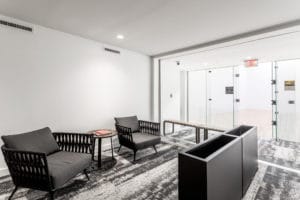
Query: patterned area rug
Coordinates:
[153,176]
[283,153]
[276,184]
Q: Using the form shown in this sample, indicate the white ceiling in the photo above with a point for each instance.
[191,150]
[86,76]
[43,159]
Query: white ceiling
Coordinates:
[281,46]
[153,26]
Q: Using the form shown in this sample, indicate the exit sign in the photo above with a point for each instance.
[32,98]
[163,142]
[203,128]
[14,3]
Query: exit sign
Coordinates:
[251,63]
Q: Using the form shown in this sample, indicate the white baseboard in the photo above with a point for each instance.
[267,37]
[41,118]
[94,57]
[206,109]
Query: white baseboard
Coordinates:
[4,172]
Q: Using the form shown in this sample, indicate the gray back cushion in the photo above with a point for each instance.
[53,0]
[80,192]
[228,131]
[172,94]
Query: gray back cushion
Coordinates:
[129,122]
[40,140]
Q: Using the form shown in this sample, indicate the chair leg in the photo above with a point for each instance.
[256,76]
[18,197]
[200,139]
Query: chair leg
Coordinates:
[51,193]
[154,148]
[94,148]
[119,148]
[134,155]
[13,192]
[86,174]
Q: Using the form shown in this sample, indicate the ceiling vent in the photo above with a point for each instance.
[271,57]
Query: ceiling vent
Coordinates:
[112,51]
[18,26]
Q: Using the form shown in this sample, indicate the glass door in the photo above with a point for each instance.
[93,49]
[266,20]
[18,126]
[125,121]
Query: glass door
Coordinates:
[254,98]
[220,96]
[173,99]
[197,89]
[288,118]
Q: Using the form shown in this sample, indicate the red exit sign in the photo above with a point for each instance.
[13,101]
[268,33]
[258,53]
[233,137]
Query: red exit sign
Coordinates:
[251,63]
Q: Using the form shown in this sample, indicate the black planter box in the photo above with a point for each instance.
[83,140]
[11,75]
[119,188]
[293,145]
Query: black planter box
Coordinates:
[211,170]
[248,134]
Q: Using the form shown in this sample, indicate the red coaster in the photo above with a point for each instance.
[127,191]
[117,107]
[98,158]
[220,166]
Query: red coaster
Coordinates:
[102,132]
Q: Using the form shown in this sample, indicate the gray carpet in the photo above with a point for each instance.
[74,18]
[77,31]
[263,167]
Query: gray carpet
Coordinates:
[278,184]
[154,176]
[283,153]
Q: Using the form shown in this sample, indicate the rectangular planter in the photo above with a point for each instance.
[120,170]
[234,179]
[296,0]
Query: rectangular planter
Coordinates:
[248,135]
[211,170]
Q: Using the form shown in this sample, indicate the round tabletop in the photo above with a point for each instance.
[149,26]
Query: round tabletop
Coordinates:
[108,133]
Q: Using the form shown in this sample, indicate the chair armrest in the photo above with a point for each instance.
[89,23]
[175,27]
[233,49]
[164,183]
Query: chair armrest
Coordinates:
[28,169]
[149,127]
[124,132]
[75,142]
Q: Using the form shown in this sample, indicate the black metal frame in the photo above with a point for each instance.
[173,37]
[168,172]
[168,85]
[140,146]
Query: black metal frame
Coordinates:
[197,127]
[152,128]
[30,169]
[75,142]
[125,134]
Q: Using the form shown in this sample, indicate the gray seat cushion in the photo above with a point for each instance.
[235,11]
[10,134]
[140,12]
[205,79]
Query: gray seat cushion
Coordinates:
[40,140]
[66,165]
[129,122]
[144,140]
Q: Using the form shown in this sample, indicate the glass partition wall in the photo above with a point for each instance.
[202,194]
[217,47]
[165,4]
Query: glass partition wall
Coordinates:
[264,96]
[211,97]
[287,100]
[220,100]
[197,96]
[254,95]
[204,97]
[173,99]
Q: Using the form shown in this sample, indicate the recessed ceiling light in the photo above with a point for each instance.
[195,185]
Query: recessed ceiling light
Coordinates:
[120,37]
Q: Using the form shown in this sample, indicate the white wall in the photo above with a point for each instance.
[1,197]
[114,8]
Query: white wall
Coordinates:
[50,78]
[170,90]
[155,90]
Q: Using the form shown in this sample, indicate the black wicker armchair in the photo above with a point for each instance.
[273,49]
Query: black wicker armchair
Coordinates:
[137,134]
[45,161]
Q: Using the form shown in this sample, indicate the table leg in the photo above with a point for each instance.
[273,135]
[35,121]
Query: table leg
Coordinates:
[94,148]
[99,152]
[172,127]
[205,134]
[112,148]
[197,135]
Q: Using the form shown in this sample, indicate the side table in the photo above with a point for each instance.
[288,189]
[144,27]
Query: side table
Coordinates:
[110,135]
